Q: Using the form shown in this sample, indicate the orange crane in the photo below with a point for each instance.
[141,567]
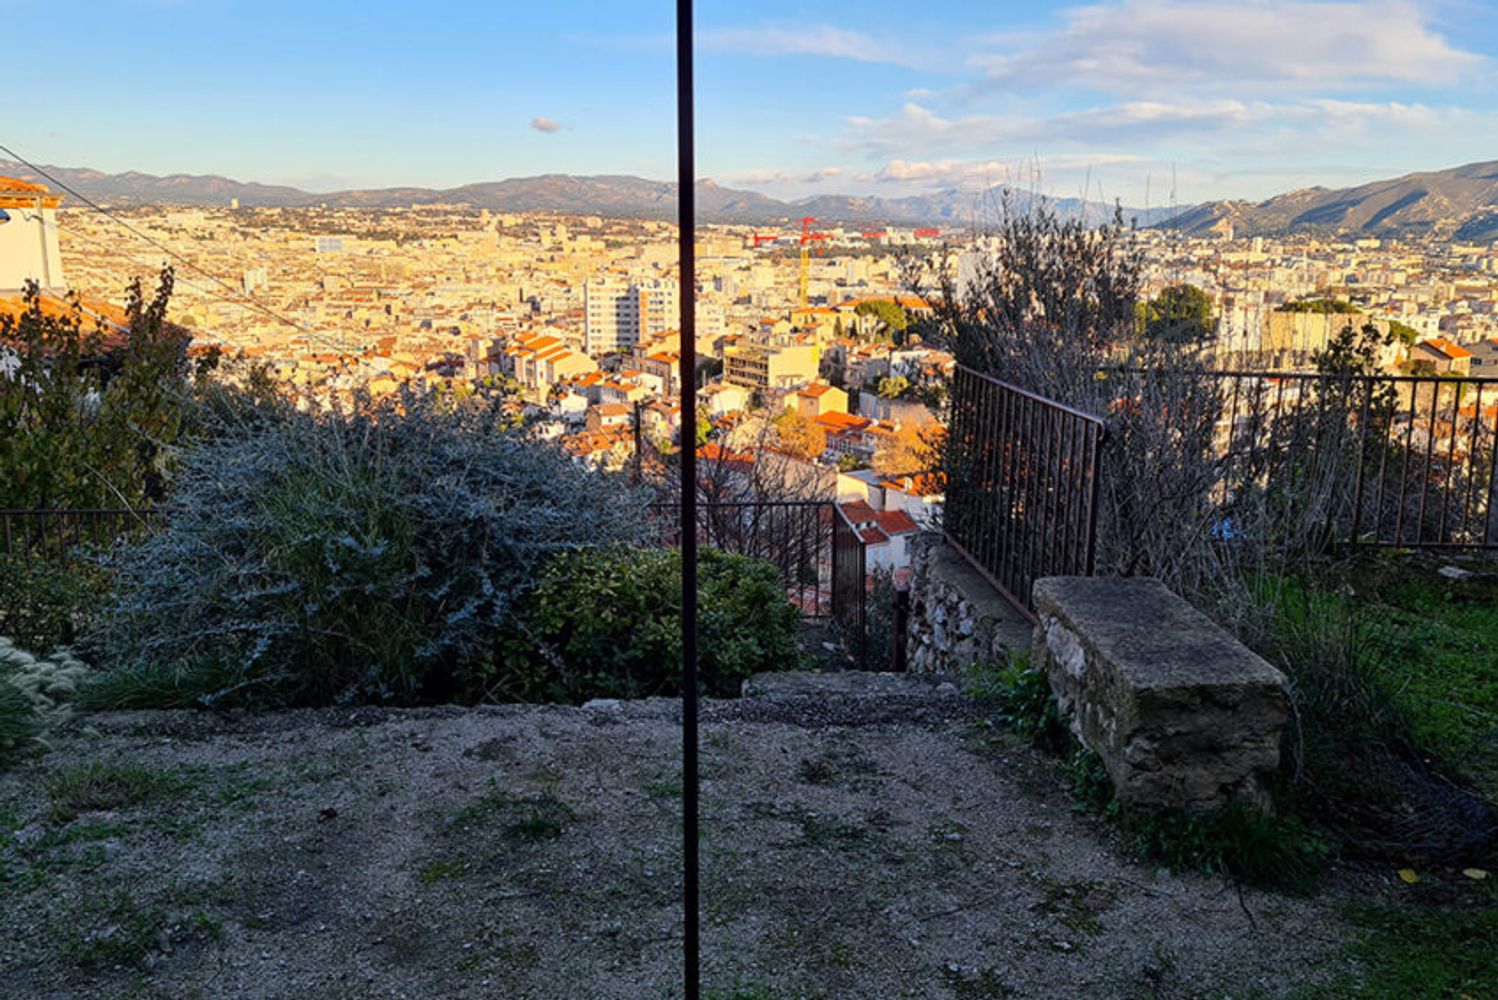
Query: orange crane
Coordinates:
[807,239]
[759,238]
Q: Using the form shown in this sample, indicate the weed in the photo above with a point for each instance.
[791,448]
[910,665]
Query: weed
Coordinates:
[441,870]
[118,930]
[948,835]
[97,787]
[1021,695]
[985,984]
[530,819]
[828,831]
[1076,905]
[815,772]
[739,992]
[664,789]
[1237,840]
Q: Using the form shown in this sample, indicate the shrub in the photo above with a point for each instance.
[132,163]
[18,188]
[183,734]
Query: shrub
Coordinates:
[74,433]
[46,604]
[1021,695]
[606,622]
[363,553]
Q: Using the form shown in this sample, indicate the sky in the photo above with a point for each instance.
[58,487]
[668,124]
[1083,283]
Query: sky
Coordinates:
[1151,102]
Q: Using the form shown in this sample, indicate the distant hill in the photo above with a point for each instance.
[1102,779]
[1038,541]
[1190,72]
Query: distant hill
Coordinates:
[1461,203]
[610,195]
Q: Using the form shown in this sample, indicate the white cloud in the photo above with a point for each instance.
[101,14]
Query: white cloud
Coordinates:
[547,125]
[990,173]
[778,177]
[1154,47]
[810,40]
[917,131]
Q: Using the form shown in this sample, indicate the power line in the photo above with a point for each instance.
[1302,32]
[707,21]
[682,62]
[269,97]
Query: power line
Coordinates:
[74,233]
[185,261]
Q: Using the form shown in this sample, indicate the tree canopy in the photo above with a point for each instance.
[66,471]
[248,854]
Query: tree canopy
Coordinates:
[85,422]
[1180,314]
[1321,307]
[892,319]
[798,436]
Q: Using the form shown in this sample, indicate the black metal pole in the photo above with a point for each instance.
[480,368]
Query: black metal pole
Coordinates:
[686,200]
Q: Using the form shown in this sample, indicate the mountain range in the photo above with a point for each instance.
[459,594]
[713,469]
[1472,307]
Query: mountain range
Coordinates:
[611,195]
[1460,203]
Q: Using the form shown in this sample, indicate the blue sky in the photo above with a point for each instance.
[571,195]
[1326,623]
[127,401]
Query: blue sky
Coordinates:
[1231,98]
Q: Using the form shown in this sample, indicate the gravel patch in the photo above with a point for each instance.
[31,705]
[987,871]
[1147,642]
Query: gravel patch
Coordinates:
[533,852]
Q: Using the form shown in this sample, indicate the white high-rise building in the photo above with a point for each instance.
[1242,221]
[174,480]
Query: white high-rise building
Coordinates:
[619,316]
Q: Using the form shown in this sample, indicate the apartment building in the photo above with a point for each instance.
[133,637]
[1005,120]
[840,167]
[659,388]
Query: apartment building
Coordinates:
[760,365]
[618,316]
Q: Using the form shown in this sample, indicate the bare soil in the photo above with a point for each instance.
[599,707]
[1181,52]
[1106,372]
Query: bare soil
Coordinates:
[902,850]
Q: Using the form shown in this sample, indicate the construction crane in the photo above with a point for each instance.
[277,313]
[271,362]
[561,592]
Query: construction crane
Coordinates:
[807,239]
[759,238]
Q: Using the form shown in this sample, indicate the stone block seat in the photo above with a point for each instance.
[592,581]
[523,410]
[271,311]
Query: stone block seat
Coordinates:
[1182,714]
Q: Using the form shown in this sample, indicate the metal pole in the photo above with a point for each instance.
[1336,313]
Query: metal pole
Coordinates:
[686,200]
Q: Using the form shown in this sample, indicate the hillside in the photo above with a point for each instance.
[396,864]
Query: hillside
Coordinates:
[620,196]
[1461,203]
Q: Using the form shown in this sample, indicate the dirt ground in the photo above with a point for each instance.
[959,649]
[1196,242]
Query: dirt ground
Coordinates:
[878,845]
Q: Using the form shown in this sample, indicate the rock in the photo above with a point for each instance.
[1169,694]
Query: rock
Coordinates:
[603,705]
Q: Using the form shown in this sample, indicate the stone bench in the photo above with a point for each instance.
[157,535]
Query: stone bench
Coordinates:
[1182,714]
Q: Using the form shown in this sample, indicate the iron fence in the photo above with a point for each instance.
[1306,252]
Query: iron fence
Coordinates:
[1359,460]
[795,535]
[1022,484]
[850,587]
[64,533]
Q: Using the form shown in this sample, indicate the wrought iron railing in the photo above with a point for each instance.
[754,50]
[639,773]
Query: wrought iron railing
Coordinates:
[1022,484]
[64,533]
[1365,460]
[795,535]
[850,587]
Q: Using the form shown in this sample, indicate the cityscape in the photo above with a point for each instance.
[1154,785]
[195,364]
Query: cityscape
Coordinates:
[800,327]
[1013,514]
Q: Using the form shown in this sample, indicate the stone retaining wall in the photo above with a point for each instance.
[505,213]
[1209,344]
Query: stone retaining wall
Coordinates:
[956,617]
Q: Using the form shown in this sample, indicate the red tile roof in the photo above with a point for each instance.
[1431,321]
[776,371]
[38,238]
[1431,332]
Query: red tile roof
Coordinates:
[1443,346]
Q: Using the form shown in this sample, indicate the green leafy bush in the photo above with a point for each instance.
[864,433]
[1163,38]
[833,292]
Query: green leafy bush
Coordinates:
[74,433]
[46,604]
[362,554]
[1021,694]
[605,622]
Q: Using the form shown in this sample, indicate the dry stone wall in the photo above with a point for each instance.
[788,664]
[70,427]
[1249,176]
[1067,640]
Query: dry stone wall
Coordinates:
[956,617]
